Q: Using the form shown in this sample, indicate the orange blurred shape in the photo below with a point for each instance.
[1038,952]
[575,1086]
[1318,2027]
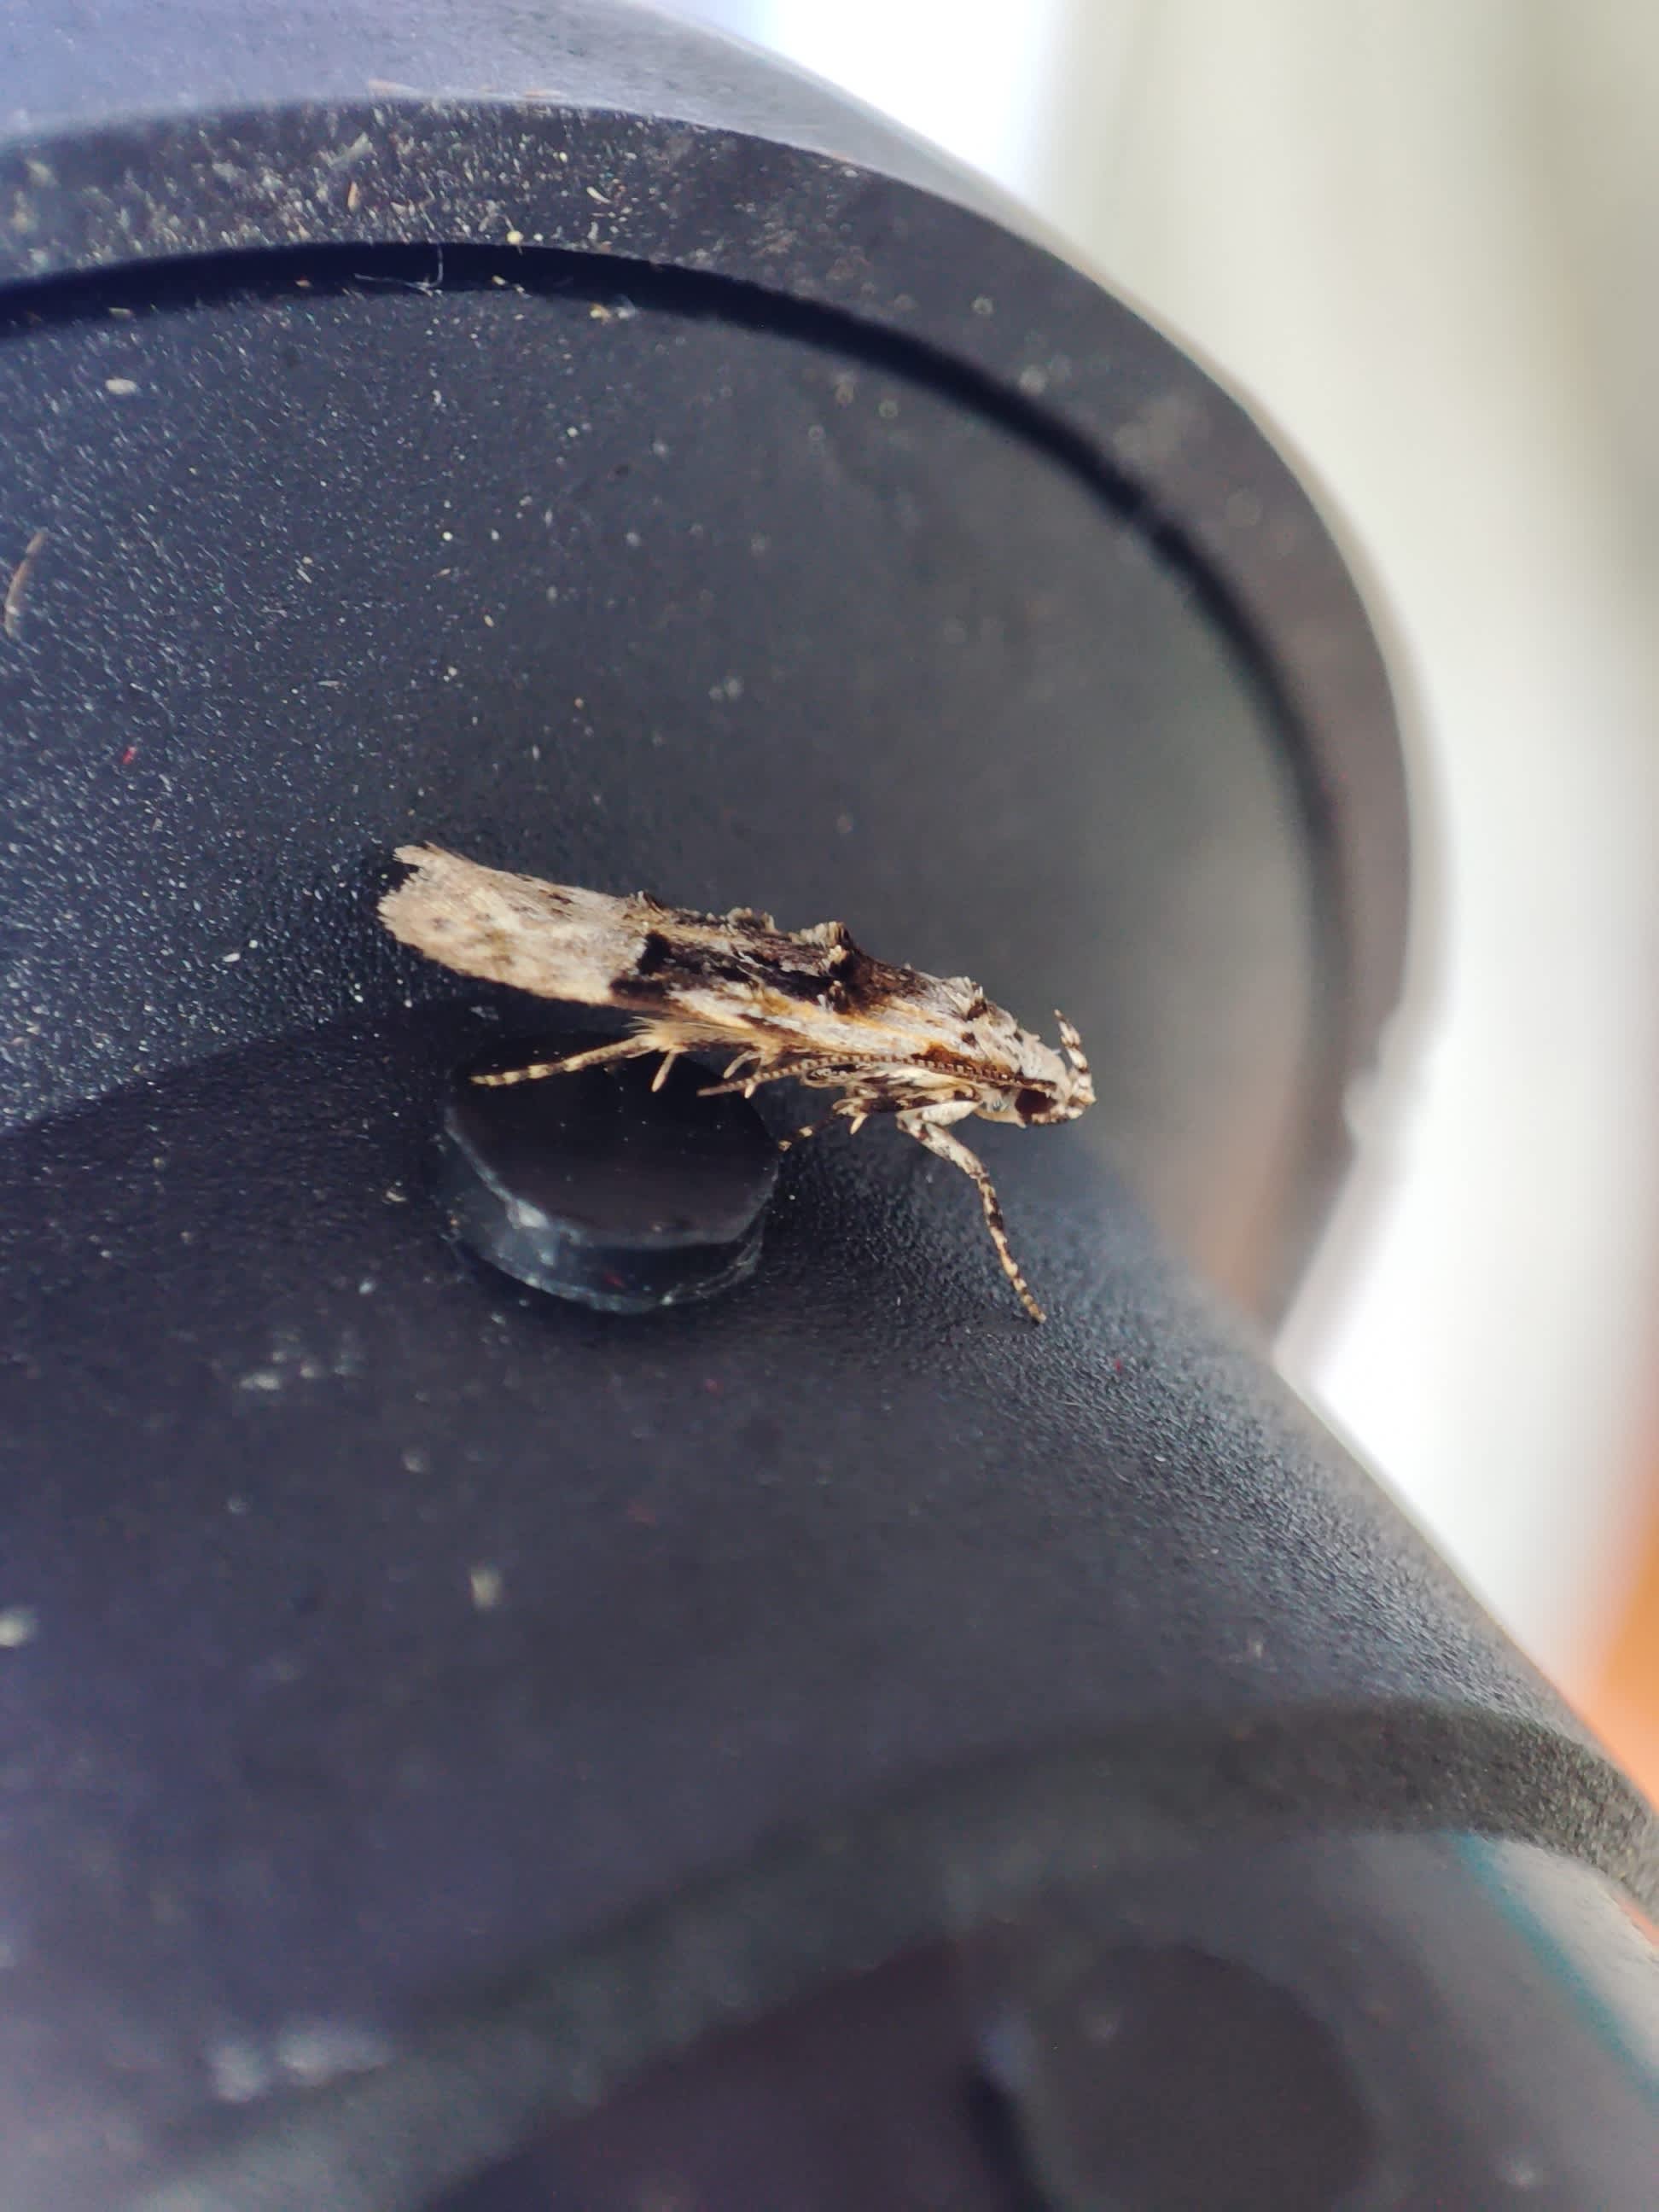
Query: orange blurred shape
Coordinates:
[1622,1704]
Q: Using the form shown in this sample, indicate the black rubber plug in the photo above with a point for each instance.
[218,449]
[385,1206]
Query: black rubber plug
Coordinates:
[595,1187]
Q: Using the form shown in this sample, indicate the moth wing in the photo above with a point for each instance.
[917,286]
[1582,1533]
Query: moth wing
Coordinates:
[551,940]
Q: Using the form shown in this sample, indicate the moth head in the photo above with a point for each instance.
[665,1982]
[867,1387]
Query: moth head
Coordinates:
[1053,1087]
[1070,1088]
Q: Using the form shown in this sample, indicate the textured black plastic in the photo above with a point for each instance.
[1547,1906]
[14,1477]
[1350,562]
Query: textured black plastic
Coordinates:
[610,132]
[1365,2020]
[685,594]
[757,1566]
[425,1705]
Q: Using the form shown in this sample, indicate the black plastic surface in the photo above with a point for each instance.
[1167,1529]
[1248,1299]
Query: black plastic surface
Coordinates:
[679,593]
[425,1705]
[633,139]
[1373,2021]
[753,1566]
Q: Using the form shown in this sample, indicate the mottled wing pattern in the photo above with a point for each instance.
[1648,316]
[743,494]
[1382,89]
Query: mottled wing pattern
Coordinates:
[547,939]
[812,997]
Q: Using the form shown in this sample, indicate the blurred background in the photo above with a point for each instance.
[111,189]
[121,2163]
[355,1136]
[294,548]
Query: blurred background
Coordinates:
[1417,236]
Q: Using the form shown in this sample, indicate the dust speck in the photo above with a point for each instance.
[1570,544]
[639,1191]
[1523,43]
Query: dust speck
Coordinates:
[238,2071]
[312,2051]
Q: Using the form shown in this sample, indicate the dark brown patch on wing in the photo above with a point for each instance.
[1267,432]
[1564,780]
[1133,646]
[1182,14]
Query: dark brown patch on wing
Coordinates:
[757,960]
[745,951]
[810,985]
[871,984]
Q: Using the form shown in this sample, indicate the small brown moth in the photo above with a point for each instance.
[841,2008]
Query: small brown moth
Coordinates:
[808,1004]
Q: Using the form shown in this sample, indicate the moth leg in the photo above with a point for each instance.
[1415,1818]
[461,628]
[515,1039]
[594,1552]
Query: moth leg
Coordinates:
[810,1129]
[628,1048]
[945,1146]
[846,1109]
[668,1060]
[856,1109]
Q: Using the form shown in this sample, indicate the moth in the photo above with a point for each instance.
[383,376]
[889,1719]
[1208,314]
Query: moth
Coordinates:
[807,1004]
